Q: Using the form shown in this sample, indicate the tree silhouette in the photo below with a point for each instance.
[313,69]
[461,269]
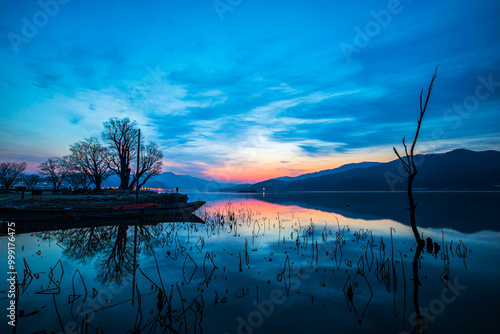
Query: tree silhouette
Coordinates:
[91,159]
[31,180]
[150,163]
[10,173]
[409,160]
[78,180]
[122,136]
[56,169]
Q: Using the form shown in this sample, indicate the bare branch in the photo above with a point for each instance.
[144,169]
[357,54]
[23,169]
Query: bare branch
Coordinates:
[10,173]
[31,180]
[150,165]
[407,156]
[409,165]
[401,159]
[92,160]
[121,135]
[421,92]
[422,112]
[56,169]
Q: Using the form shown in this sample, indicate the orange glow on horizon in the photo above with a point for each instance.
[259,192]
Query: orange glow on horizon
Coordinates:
[261,171]
[290,214]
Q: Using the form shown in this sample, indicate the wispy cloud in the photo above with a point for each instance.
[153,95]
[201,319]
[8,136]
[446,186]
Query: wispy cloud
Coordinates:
[252,96]
[280,106]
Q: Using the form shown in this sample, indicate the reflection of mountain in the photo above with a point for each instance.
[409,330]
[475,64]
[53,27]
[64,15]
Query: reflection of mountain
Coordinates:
[457,210]
[455,170]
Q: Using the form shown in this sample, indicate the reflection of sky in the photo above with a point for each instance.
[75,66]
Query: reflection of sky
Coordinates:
[270,80]
[291,215]
[316,290]
[460,211]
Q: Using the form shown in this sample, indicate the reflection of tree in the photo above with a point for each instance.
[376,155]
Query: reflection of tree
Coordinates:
[84,244]
[147,238]
[421,324]
[112,244]
[117,260]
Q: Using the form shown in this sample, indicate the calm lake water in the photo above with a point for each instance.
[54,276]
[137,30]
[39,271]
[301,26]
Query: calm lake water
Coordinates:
[273,263]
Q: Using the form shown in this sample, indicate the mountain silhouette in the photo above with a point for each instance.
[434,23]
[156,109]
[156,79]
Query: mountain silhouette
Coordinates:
[460,169]
[329,171]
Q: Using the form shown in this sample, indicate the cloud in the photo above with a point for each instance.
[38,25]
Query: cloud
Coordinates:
[276,107]
[237,99]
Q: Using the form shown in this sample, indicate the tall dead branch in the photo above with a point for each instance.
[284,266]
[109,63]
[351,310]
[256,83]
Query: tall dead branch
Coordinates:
[408,161]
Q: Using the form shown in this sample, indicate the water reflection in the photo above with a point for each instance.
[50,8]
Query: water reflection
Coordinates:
[462,211]
[421,324]
[115,250]
[115,254]
[253,267]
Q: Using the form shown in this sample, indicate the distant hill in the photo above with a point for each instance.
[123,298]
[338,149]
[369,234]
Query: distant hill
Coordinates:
[456,170]
[169,180]
[247,186]
[342,168]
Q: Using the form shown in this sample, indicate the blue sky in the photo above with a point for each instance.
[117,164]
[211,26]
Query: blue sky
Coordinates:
[244,90]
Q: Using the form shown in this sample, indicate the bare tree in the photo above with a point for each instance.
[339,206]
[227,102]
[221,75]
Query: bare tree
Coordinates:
[121,135]
[31,180]
[78,180]
[150,163]
[10,173]
[92,160]
[56,169]
[409,161]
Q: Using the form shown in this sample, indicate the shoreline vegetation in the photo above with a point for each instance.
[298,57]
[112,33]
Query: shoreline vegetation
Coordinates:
[121,152]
